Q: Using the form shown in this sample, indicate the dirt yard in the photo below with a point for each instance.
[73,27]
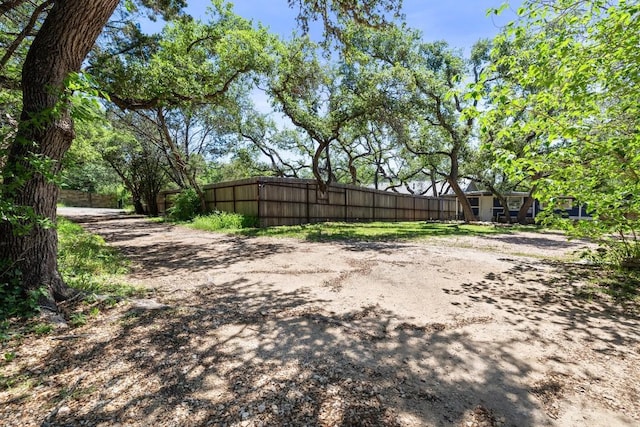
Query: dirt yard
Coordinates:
[457,331]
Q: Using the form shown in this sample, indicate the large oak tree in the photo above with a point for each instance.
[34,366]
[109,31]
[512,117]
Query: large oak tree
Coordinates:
[45,133]
[426,89]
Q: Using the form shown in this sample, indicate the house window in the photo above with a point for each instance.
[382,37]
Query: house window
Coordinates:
[514,203]
[561,204]
[565,204]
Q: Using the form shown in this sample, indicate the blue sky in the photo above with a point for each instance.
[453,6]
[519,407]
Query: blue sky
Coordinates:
[459,22]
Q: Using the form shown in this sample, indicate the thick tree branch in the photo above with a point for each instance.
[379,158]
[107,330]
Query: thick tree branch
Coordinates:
[175,98]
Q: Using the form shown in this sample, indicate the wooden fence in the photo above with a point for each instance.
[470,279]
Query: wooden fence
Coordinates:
[83,199]
[285,201]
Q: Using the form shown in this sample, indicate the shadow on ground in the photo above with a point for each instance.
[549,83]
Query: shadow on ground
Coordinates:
[586,322]
[539,241]
[375,231]
[155,258]
[244,353]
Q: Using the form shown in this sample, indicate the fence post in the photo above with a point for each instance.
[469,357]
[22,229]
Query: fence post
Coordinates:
[346,209]
[259,202]
[414,208]
[395,197]
[234,198]
[308,203]
[373,212]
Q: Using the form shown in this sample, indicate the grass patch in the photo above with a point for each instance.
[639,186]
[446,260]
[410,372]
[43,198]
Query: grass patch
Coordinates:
[599,283]
[20,382]
[223,221]
[620,285]
[337,231]
[41,328]
[89,265]
[378,231]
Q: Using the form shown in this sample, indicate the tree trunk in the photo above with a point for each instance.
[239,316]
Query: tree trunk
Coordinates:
[505,207]
[434,184]
[315,167]
[452,179]
[138,207]
[151,198]
[353,172]
[59,48]
[153,207]
[529,201]
[464,202]
[181,164]
[522,213]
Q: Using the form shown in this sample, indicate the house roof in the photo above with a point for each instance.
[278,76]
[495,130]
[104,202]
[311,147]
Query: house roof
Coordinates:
[489,193]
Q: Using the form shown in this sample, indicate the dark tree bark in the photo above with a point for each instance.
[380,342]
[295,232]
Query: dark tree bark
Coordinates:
[65,38]
[526,205]
[467,210]
[452,179]
[138,207]
[529,200]
[152,206]
[505,208]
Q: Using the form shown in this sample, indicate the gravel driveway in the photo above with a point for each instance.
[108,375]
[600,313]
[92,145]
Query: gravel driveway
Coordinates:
[239,331]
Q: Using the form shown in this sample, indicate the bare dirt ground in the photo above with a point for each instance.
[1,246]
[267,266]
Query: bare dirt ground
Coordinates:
[239,331]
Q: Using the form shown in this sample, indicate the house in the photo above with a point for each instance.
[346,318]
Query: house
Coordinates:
[487,207]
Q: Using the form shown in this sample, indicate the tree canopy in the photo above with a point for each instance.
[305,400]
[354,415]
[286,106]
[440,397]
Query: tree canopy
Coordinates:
[574,76]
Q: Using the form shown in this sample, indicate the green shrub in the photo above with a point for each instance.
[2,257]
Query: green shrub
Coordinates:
[617,254]
[186,206]
[13,301]
[224,221]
